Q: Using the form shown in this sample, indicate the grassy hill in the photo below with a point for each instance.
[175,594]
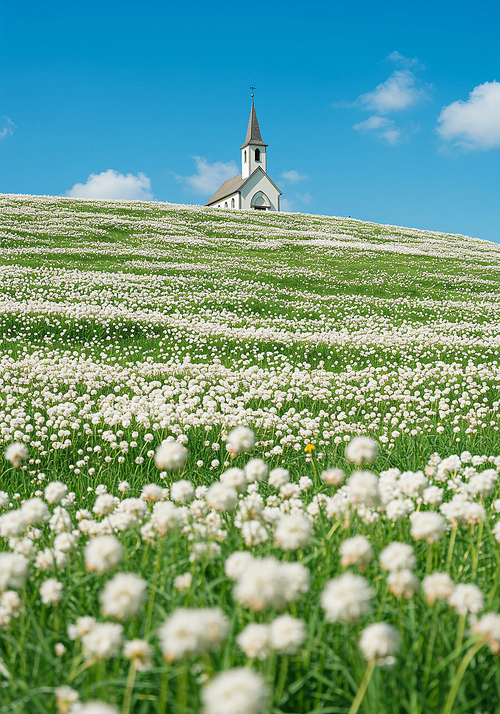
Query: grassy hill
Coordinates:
[123,324]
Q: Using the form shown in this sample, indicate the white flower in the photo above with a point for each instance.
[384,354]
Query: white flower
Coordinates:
[433,495]
[94,707]
[240,440]
[65,698]
[496,531]
[103,641]
[333,477]
[235,691]
[16,453]
[361,448]
[279,477]
[51,591]
[363,488]
[254,532]
[456,510]
[171,455]
[190,631]
[476,513]
[82,627]
[166,517]
[483,484]
[292,532]
[403,583]
[123,596]
[466,598]
[183,581]
[13,570]
[103,553]
[104,504]
[346,598]
[379,642]
[13,523]
[262,584]
[397,556]
[221,497]
[488,626]
[412,484]
[140,652]
[255,470]
[297,578]
[254,641]
[235,478]
[35,510]
[356,551]
[427,525]
[55,492]
[287,634]
[437,586]
[182,491]
[152,492]
[236,563]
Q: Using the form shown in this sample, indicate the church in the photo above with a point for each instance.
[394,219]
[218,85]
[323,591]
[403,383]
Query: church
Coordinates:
[252,188]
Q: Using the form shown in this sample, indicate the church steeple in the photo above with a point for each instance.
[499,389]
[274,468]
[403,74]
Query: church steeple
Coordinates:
[253,151]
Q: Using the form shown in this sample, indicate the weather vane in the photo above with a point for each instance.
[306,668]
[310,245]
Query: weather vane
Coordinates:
[252,88]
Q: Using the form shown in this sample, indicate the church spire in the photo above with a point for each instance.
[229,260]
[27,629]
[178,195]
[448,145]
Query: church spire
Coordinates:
[253,132]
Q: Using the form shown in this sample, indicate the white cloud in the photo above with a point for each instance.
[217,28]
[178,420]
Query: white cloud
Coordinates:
[475,123]
[403,61]
[208,177]
[293,176]
[7,127]
[305,197]
[111,184]
[382,127]
[286,204]
[398,92]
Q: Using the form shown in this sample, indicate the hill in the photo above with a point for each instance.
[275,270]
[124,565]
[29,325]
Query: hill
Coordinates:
[251,463]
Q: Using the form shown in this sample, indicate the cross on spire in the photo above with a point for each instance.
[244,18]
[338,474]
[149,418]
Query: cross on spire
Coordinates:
[252,88]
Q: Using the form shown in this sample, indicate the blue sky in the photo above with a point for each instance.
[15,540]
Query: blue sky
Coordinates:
[386,111]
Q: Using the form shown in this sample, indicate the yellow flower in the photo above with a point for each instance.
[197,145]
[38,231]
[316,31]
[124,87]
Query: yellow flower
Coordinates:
[309,448]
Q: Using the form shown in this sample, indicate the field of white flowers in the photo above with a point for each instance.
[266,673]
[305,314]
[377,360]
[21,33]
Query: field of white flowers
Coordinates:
[249,463]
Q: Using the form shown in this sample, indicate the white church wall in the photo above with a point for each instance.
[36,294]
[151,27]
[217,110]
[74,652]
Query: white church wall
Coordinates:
[227,202]
[259,182]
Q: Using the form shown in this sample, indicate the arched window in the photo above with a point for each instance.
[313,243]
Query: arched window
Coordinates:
[245,156]
[232,203]
[257,154]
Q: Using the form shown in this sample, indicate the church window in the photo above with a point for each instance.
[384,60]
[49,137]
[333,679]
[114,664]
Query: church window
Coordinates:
[225,204]
[232,203]
[257,154]
[245,156]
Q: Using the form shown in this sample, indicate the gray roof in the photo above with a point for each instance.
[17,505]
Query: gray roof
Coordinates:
[253,131]
[228,187]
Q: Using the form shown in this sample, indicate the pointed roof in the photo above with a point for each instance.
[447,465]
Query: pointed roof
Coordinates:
[253,131]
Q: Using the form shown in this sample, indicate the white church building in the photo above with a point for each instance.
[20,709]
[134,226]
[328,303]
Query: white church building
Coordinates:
[252,188]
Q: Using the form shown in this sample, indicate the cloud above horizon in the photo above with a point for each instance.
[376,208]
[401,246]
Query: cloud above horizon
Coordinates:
[475,123]
[112,185]
[208,177]
[382,127]
[293,176]
[7,127]
[400,91]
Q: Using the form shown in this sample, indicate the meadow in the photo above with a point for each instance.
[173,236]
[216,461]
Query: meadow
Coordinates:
[248,463]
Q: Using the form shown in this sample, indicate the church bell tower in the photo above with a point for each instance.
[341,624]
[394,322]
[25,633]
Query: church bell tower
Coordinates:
[253,151]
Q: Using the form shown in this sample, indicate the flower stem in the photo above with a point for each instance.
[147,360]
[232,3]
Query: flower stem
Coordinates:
[127,699]
[459,676]
[451,547]
[362,688]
